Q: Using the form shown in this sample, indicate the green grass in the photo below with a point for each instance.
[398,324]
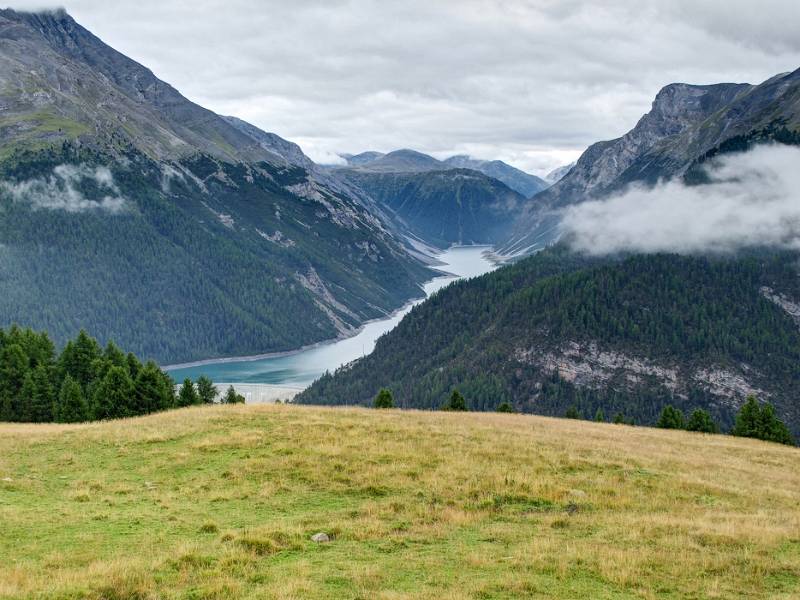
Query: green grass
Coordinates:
[221,502]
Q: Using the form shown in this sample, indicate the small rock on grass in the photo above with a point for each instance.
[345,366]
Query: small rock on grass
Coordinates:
[320,538]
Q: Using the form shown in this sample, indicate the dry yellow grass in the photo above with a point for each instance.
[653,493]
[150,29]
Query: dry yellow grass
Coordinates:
[220,502]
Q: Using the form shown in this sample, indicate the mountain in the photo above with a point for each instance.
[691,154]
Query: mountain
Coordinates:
[362,158]
[686,125]
[288,151]
[558,173]
[402,161]
[432,201]
[136,214]
[629,335]
[521,182]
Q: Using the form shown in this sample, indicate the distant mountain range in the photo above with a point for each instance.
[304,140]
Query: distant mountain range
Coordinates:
[143,217]
[405,160]
[687,125]
[456,201]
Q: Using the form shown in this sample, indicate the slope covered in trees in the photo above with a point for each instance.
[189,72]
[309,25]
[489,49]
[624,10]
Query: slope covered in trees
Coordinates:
[624,336]
[150,220]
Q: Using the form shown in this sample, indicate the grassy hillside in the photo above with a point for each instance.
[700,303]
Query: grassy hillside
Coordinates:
[220,502]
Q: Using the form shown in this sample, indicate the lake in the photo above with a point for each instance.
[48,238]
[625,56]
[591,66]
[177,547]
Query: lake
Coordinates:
[301,368]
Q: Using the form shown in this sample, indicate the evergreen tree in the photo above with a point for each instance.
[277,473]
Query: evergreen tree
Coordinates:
[600,416]
[456,402]
[671,418]
[113,397]
[748,419]
[41,410]
[206,390]
[25,399]
[772,429]
[115,356]
[78,357]
[700,420]
[151,393]
[231,397]
[384,399]
[187,396]
[13,369]
[505,407]
[619,418]
[71,406]
[572,413]
[134,365]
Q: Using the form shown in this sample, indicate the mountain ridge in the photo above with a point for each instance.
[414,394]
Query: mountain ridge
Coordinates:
[119,191]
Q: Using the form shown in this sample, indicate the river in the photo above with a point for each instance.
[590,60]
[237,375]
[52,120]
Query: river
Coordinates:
[301,368]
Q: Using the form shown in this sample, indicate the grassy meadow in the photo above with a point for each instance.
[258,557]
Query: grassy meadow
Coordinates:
[221,502]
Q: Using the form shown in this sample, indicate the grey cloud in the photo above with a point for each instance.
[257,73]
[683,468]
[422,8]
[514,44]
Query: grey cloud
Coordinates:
[60,190]
[531,81]
[752,200]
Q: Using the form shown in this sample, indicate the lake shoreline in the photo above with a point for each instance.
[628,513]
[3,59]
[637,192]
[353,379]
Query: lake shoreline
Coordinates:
[329,341]
[220,368]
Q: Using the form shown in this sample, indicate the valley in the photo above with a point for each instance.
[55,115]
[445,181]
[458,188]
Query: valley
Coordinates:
[299,369]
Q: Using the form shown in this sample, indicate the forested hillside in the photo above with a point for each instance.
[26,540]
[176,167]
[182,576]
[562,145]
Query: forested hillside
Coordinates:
[443,207]
[213,259]
[558,331]
[128,210]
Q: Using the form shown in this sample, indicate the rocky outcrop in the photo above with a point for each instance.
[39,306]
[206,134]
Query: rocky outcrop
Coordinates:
[588,365]
[686,124]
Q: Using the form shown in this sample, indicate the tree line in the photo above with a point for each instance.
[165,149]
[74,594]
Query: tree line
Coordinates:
[85,382]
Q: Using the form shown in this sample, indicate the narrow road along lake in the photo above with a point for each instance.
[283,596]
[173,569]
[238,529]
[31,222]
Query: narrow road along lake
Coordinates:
[300,368]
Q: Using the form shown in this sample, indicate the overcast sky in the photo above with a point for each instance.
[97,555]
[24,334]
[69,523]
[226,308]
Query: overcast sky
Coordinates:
[530,82]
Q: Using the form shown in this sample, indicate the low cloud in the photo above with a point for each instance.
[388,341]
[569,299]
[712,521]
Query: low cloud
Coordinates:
[60,190]
[752,199]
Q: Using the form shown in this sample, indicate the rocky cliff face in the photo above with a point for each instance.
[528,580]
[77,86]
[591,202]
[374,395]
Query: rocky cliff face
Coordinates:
[686,124]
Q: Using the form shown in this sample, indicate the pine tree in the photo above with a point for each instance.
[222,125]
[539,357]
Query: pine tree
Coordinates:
[13,369]
[748,420]
[78,357]
[772,429]
[619,418]
[113,397]
[206,390]
[25,399]
[600,416]
[505,407]
[188,395]
[71,406]
[231,397]
[572,413]
[456,402]
[150,391]
[700,420]
[43,396]
[384,399]
[671,418]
